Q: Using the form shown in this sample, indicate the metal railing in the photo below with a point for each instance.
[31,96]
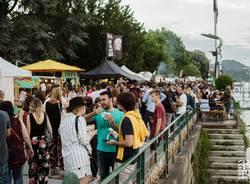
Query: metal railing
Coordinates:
[236,111]
[172,139]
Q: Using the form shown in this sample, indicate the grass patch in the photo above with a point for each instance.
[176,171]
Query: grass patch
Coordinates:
[199,159]
[243,131]
[226,137]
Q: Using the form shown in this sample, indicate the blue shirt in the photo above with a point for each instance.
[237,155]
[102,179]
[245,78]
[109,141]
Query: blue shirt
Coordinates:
[150,104]
[4,125]
[103,129]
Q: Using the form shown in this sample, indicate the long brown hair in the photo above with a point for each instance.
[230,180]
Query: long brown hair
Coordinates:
[35,104]
[56,95]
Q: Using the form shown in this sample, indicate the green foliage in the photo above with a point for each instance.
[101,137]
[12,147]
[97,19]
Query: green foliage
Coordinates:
[191,70]
[74,32]
[199,59]
[200,159]
[222,81]
[243,131]
[113,18]
[155,50]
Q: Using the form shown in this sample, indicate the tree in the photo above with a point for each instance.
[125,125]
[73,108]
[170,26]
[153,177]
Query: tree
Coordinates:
[6,7]
[199,59]
[222,81]
[176,50]
[154,50]
[113,18]
[191,70]
[48,29]
[74,32]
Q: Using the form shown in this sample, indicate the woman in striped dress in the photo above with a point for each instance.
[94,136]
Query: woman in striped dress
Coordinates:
[75,138]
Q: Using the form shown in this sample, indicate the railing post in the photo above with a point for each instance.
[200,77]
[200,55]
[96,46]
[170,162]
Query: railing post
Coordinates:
[141,167]
[166,152]
[156,152]
[117,179]
[180,142]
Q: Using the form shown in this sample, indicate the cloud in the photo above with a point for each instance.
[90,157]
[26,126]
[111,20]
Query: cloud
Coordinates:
[190,18]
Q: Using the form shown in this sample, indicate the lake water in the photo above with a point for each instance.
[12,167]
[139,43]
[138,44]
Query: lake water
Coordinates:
[243,96]
[245,115]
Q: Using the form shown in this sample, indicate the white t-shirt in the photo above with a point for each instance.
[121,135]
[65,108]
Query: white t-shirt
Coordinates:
[72,94]
[43,87]
[22,96]
[96,94]
[182,109]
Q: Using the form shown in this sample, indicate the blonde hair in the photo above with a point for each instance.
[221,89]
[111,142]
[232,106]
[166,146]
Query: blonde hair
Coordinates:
[56,95]
[188,90]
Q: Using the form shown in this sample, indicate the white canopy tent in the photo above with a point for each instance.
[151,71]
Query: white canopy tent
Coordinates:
[124,68]
[7,73]
[147,75]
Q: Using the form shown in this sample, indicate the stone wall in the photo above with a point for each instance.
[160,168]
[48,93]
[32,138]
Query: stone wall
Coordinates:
[181,171]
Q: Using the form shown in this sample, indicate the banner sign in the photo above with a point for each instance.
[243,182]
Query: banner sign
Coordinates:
[114,46]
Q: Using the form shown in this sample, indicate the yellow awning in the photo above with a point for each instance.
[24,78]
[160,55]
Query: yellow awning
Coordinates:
[50,66]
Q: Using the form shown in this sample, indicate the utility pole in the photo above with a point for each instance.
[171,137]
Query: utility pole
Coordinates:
[216,69]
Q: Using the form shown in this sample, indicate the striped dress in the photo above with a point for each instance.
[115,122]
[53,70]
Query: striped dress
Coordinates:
[75,155]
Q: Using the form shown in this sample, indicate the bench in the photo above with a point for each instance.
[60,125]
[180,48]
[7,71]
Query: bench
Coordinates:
[215,115]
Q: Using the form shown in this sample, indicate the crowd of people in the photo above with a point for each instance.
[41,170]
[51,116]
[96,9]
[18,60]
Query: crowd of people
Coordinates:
[91,130]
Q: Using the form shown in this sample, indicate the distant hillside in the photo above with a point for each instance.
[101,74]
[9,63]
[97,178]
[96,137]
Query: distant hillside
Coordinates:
[236,70]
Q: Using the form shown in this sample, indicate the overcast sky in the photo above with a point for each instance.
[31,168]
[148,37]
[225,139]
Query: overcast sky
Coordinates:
[190,18]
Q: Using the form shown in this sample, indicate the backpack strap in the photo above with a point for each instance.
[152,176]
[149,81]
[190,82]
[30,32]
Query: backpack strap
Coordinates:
[76,124]
[15,134]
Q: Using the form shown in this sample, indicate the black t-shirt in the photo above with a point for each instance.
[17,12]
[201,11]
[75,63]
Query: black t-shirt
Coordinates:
[127,129]
[53,110]
[167,102]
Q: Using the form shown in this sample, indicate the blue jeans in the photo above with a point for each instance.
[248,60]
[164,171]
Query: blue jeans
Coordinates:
[4,173]
[16,174]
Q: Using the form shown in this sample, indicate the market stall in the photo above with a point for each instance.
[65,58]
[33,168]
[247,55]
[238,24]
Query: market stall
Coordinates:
[67,72]
[8,72]
[140,77]
[109,69]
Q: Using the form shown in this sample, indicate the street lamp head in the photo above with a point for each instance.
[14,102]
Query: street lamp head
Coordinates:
[211,36]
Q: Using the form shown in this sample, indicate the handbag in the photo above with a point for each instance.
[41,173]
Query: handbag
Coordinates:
[17,155]
[93,160]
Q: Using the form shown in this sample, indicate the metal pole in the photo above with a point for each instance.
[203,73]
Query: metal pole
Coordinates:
[216,70]
[248,82]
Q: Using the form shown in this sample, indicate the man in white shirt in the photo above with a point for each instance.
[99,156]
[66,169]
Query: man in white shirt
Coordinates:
[181,101]
[43,87]
[97,93]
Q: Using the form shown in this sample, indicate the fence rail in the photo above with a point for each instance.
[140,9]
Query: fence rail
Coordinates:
[168,145]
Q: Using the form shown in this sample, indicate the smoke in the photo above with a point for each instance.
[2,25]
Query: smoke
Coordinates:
[162,69]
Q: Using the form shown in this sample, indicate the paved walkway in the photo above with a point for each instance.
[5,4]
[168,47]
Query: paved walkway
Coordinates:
[26,178]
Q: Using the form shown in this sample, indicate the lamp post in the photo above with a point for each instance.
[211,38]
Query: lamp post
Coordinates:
[216,52]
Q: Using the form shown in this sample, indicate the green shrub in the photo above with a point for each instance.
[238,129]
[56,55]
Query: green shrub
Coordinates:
[200,159]
[223,81]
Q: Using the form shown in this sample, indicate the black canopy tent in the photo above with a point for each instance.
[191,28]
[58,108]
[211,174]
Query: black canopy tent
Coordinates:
[109,69]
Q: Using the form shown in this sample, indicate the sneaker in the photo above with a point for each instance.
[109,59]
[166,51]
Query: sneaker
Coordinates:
[95,180]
